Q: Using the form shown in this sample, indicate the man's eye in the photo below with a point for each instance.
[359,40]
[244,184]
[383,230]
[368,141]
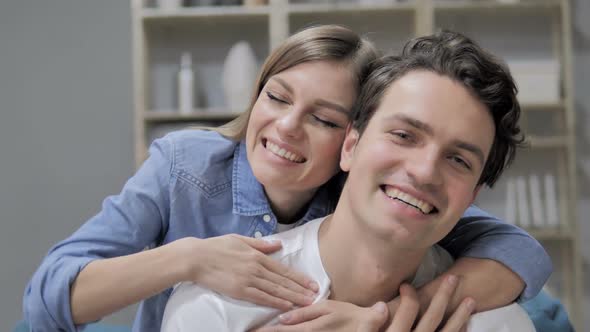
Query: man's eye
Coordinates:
[404,136]
[460,162]
[275,98]
[325,123]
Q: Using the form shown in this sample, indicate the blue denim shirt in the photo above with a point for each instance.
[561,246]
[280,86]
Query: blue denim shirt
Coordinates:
[197,183]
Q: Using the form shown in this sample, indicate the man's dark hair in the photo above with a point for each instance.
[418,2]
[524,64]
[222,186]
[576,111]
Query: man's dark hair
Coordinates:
[455,56]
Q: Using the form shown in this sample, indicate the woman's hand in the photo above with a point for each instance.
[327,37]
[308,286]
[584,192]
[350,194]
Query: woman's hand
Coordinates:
[338,316]
[406,313]
[238,266]
[332,316]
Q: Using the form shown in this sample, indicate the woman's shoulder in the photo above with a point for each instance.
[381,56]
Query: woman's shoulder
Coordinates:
[199,152]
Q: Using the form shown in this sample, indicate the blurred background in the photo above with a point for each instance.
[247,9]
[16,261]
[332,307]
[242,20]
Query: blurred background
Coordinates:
[73,126]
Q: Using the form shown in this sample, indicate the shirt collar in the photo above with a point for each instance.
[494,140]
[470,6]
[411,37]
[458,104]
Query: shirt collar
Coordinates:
[249,197]
[248,194]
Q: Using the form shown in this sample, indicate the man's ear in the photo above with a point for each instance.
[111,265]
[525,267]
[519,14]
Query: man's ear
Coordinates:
[475,193]
[347,153]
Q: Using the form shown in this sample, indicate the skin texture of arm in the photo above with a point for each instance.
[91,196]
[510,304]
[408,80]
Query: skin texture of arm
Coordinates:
[97,291]
[502,286]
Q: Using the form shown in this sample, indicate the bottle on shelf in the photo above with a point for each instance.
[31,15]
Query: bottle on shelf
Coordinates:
[186,85]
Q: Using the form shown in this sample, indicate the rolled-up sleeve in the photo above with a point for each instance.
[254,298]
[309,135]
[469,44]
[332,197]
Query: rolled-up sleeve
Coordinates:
[127,223]
[481,235]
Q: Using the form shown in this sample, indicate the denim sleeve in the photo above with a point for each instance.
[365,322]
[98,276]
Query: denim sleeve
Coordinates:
[127,223]
[481,235]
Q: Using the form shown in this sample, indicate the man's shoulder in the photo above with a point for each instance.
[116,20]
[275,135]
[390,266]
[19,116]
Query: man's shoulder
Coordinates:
[510,318]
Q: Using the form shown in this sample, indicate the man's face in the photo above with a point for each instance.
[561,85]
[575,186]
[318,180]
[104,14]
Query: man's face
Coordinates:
[415,169]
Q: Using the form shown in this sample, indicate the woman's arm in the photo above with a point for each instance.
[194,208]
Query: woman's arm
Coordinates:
[496,261]
[103,267]
[127,223]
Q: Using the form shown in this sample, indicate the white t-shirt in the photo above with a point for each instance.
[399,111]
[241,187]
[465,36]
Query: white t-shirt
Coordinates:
[194,308]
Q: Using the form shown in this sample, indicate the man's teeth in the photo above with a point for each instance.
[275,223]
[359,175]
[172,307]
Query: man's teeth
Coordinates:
[284,153]
[411,200]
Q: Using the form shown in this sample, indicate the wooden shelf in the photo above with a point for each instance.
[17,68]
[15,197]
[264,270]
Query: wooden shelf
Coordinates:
[549,107]
[547,142]
[211,114]
[209,31]
[334,8]
[459,5]
[153,14]
[550,234]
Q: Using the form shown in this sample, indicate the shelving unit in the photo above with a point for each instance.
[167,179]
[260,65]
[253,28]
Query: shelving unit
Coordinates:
[512,29]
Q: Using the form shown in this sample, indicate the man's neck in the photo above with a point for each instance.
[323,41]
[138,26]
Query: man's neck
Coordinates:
[363,269]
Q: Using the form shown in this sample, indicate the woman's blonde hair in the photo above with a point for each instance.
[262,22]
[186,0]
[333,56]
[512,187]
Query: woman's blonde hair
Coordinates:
[325,42]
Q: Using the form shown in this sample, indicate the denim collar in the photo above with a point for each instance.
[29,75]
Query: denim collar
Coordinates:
[250,199]
[247,192]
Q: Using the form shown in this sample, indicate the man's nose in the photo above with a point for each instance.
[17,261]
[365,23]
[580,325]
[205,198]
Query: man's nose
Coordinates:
[424,168]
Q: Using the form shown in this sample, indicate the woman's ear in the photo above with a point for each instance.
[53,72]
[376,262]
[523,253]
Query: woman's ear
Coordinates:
[347,154]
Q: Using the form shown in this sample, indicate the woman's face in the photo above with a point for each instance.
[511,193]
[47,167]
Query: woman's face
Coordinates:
[297,127]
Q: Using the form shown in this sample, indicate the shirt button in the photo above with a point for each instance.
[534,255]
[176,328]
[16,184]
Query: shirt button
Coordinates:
[266,218]
[257,235]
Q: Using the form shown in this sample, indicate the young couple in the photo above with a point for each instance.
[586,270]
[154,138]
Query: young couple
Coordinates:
[428,129]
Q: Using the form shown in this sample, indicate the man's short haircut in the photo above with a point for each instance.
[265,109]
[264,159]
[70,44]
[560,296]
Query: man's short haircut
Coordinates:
[455,56]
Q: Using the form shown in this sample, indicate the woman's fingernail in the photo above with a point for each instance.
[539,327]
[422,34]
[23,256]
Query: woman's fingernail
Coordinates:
[285,317]
[272,242]
[452,280]
[314,286]
[380,306]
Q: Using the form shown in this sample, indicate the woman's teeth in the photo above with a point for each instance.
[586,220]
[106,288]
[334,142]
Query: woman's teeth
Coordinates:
[291,156]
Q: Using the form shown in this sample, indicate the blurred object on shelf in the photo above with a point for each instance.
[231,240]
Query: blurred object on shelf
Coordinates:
[239,75]
[537,80]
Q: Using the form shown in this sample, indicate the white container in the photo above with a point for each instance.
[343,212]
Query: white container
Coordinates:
[537,80]
[186,85]
[239,75]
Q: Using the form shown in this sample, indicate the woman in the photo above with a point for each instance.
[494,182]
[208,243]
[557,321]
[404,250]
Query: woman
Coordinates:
[271,169]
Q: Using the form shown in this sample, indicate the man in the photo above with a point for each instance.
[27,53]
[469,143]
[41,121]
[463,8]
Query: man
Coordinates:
[431,126]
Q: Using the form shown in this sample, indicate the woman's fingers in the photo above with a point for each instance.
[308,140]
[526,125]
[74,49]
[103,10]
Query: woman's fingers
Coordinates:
[460,317]
[407,311]
[275,289]
[243,271]
[257,296]
[291,278]
[438,306]
[263,245]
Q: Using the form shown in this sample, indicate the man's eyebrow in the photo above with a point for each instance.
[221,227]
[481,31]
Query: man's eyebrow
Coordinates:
[473,149]
[413,122]
[319,102]
[428,130]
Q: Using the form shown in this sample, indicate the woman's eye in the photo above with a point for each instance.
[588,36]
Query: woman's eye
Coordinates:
[325,123]
[275,98]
